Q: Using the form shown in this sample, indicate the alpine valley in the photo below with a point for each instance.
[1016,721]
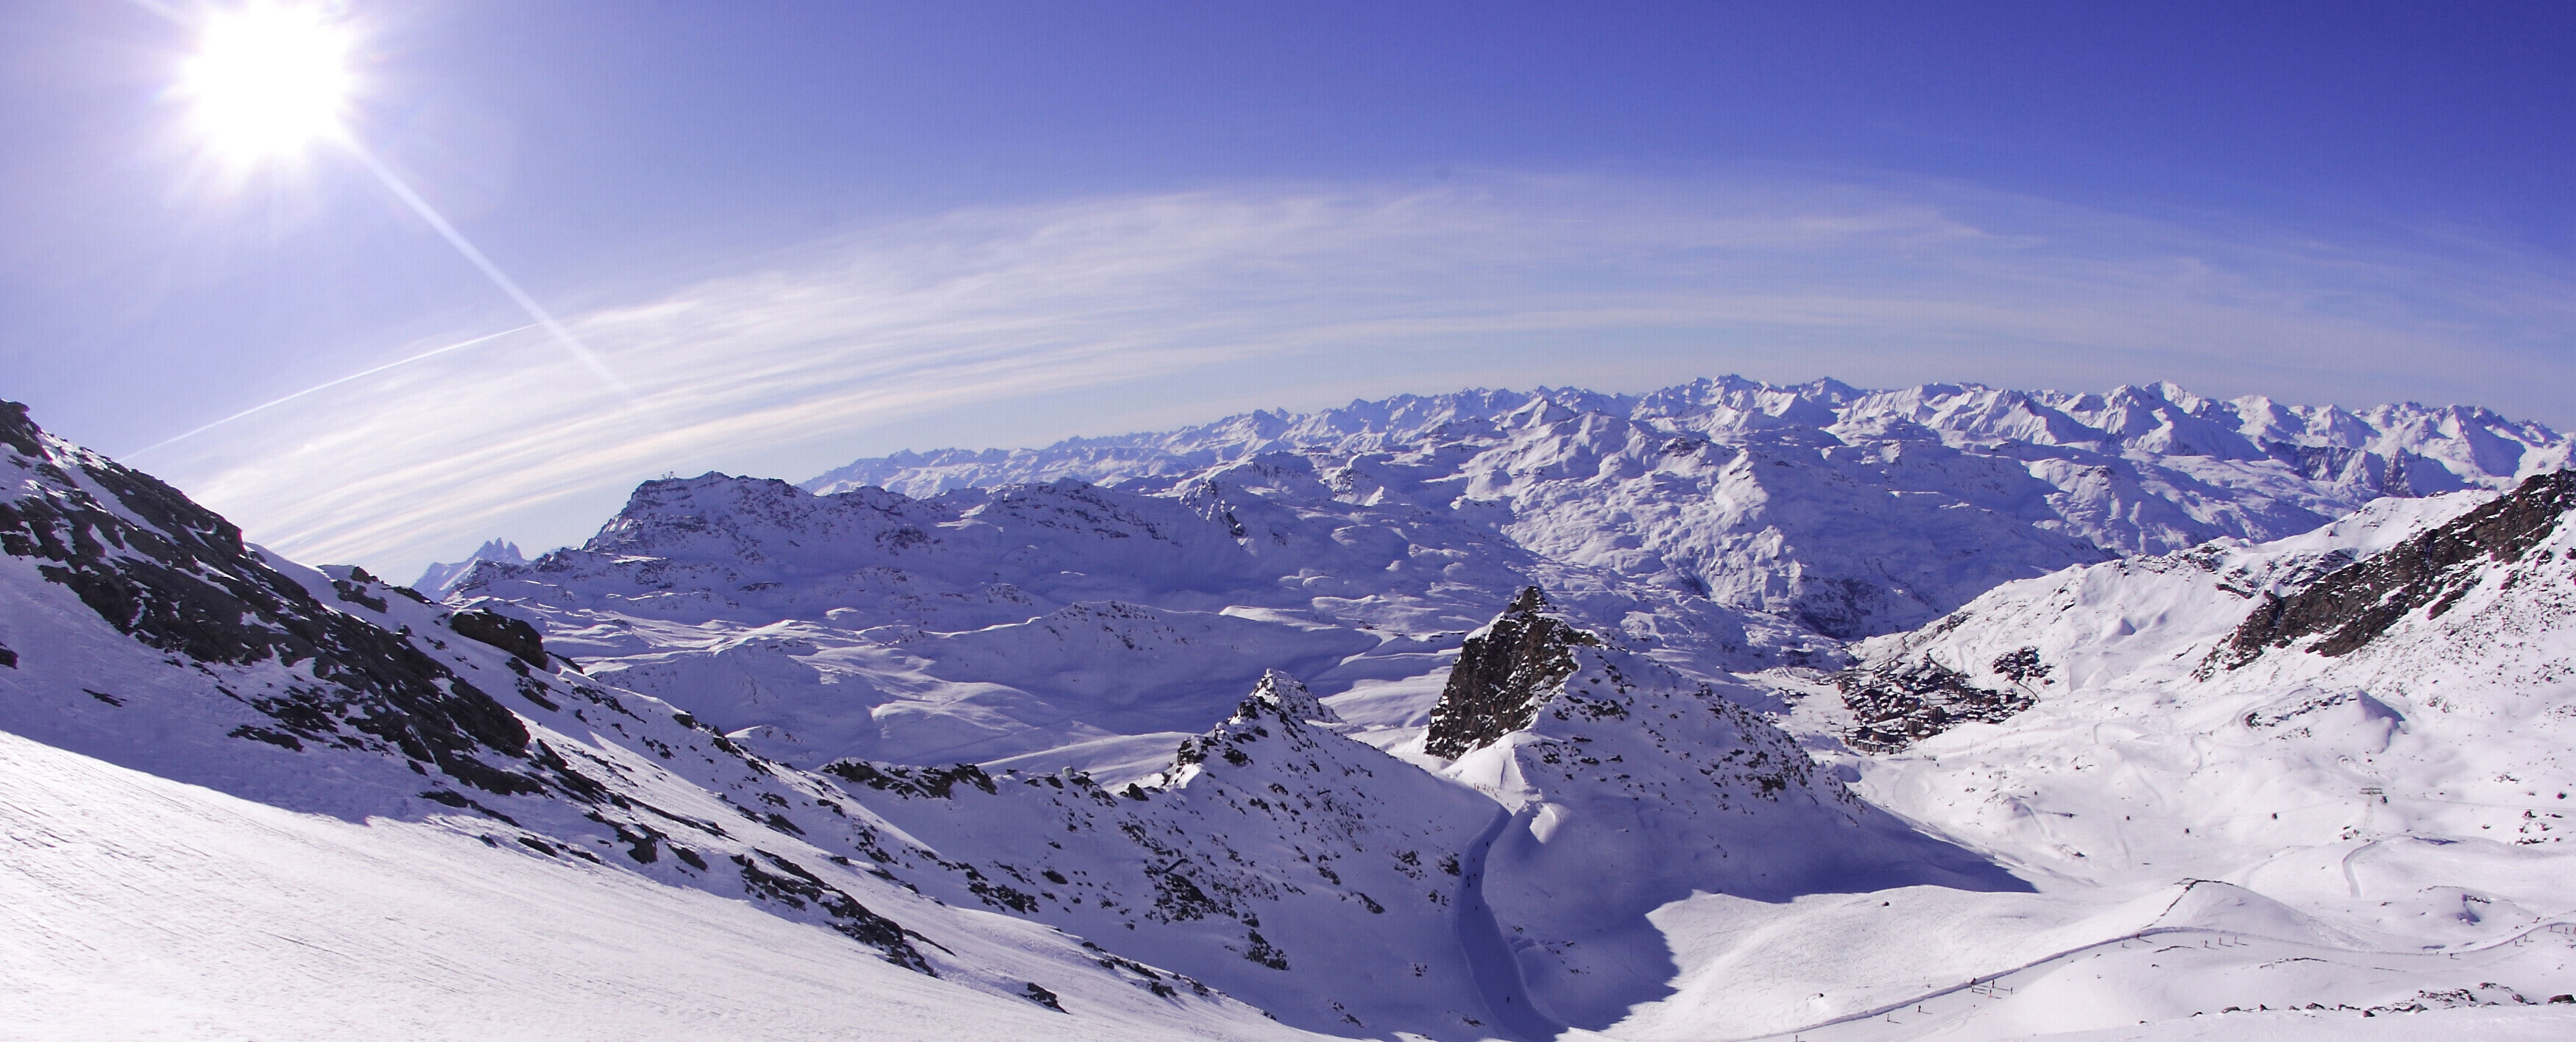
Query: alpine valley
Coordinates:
[1727,711]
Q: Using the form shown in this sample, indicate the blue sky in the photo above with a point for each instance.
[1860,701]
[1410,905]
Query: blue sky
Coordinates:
[799,234]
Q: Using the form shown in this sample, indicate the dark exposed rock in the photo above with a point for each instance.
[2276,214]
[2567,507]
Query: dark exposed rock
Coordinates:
[19,432]
[2351,605]
[177,577]
[1042,997]
[1898,704]
[2020,665]
[1178,898]
[353,590]
[1226,741]
[792,885]
[1258,949]
[500,631]
[1501,675]
[917,782]
[262,734]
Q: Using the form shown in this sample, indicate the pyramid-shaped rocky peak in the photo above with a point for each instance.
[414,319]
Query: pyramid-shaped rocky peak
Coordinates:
[1292,698]
[1277,700]
[1502,675]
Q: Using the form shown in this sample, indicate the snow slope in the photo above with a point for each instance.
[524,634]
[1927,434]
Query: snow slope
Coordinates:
[2459,714]
[144,908]
[1629,787]
[2360,735]
[324,750]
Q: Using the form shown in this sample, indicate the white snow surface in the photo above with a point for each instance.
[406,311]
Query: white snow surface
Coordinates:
[1136,727]
[145,908]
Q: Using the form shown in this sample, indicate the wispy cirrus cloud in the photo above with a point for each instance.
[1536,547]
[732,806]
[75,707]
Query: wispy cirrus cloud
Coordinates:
[1014,325]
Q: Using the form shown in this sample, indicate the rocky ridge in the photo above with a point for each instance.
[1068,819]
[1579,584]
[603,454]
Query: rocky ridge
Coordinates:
[2349,607]
[145,633]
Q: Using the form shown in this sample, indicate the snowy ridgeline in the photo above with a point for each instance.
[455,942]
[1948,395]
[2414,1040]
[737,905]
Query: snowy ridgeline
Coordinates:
[1526,719]
[1853,512]
[1093,616]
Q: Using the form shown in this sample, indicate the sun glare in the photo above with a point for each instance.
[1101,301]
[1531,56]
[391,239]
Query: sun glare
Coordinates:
[268,79]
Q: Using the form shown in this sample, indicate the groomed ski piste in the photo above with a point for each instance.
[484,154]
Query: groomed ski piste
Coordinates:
[1731,711]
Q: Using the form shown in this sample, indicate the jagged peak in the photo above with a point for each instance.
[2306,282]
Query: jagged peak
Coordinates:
[1270,703]
[1503,673]
[441,578]
[1292,698]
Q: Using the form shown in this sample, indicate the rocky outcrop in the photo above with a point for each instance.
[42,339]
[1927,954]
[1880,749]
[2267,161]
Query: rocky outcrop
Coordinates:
[1264,844]
[1293,699]
[1901,703]
[176,577]
[781,881]
[503,632]
[2348,607]
[1502,673]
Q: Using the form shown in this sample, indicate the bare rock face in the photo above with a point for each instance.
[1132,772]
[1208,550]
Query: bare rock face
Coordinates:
[176,577]
[1502,674]
[503,632]
[2354,604]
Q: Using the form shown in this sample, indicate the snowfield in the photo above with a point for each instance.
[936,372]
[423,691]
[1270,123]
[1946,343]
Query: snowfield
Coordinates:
[1729,711]
[143,908]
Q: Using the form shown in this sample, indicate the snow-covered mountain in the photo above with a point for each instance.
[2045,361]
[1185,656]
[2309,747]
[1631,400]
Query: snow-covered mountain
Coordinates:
[438,578]
[1728,711]
[1092,625]
[2367,732]
[1851,512]
[188,717]
[1091,621]
[2404,670]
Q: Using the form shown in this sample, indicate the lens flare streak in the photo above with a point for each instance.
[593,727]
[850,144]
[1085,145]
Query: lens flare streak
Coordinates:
[395,184]
[324,386]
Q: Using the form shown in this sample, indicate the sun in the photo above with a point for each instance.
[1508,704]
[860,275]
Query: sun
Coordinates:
[268,79]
